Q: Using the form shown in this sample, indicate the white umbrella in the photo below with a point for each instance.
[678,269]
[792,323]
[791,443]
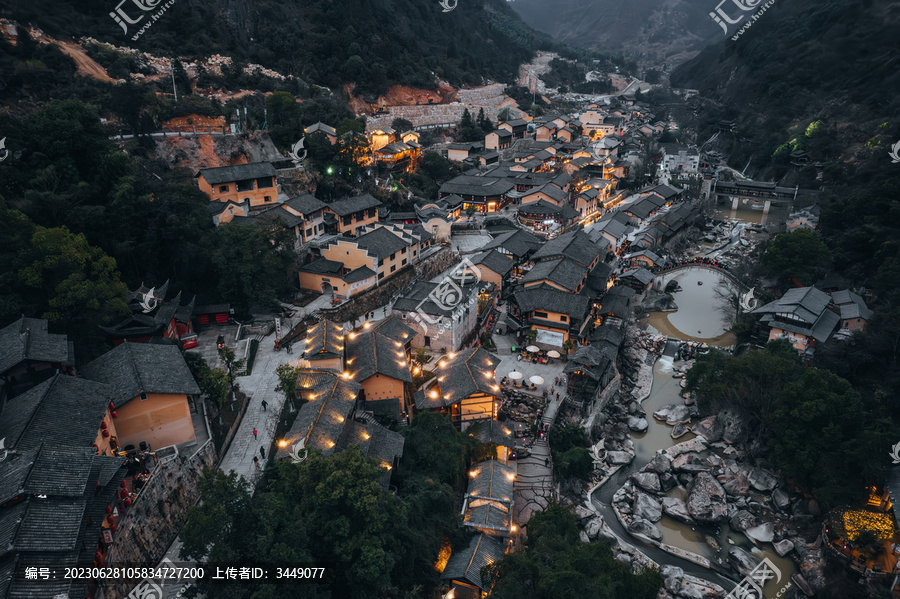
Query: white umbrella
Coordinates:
[515,375]
[553,353]
[537,380]
[532,348]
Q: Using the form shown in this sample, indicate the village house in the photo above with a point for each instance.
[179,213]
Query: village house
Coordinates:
[223,212]
[545,131]
[253,182]
[349,266]
[543,215]
[493,267]
[548,193]
[487,505]
[644,258]
[153,317]
[615,305]
[852,309]
[349,215]
[311,212]
[463,572]
[639,279]
[324,347]
[499,139]
[464,387]
[801,315]
[398,155]
[324,129]
[30,354]
[437,218]
[154,394]
[497,433]
[457,152]
[484,194]
[439,326]
[377,359]
[330,422]
[556,316]
[679,158]
[379,138]
[613,227]
[586,202]
[518,127]
[588,372]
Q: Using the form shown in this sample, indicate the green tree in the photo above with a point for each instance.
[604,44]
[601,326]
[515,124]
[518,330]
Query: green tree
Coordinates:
[556,563]
[800,255]
[571,459]
[251,263]
[74,284]
[434,445]
[287,381]
[401,125]
[233,366]
[212,381]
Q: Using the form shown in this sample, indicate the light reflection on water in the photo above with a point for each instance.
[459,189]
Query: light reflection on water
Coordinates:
[700,315]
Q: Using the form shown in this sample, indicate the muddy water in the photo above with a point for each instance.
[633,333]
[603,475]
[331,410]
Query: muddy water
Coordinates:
[666,390]
[700,316]
[743,213]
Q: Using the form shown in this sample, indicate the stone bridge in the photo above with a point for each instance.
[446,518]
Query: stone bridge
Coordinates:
[663,276]
[762,192]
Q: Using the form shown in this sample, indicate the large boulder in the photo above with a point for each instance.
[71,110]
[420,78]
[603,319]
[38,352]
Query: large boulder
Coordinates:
[678,415]
[676,508]
[647,507]
[660,464]
[690,462]
[638,424]
[735,485]
[672,576]
[761,480]
[742,520]
[764,533]
[692,590]
[593,527]
[619,457]
[733,430]
[706,499]
[667,481]
[781,499]
[662,414]
[709,428]
[648,481]
[742,560]
[783,547]
[639,526]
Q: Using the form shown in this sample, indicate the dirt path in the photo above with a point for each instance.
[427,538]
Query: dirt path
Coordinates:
[86,65]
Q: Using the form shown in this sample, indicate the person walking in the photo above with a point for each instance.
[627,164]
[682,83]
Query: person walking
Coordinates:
[262,452]
[256,461]
[254,434]
[264,405]
[547,462]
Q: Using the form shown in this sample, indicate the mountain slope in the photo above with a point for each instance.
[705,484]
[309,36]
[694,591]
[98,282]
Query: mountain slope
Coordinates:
[650,31]
[326,42]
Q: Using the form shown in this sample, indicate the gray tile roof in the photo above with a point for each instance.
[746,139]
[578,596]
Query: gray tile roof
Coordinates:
[14,471]
[563,272]
[495,261]
[324,340]
[412,299]
[467,185]
[518,243]
[347,206]
[305,204]
[641,275]
[237,172]
[575,245]
[466,565]
[641,209]
[321,127]
[51,525]
[49,477]
[461,375]
[551,190]
[547,298]
[609,332]
[491,431]
[331,399]
[491,479]
[851,305]
[63,410]
[28,339]
[613,227]
[370,353]
[589,360]
[540,207]
[358,274]
[135,368]
[805,304]
[487,516]
[381,243]
[374,440]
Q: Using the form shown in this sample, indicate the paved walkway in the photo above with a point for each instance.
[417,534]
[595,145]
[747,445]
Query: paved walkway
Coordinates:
[533,488]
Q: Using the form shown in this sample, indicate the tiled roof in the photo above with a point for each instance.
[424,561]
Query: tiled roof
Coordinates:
[324,340]
[370,353]
[575,245]
[563,272]
[461,375]
[491,479]
[641,275]
[51,526]
[381,243]
[851,305]
[374,441]
[48,476]
[547,298]
[237,172]
[321,419]
[488,516]
[803,303]
[589,360]
[541,207]
[518,243]
[347,206]
[28,339]
[321,127]
[64,410]
[550,190]
[495,261]
[416,298]
[491,431]
[467,565]
[135,368]
[305,204]
[477,186]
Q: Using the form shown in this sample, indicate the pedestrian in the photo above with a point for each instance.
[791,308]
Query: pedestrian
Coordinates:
[547,462]
[264,405]
[254,433]
[557,396]
[256,461]
[262,452]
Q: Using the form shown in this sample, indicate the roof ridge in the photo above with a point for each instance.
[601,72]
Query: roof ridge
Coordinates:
[134,368]
[38,407]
